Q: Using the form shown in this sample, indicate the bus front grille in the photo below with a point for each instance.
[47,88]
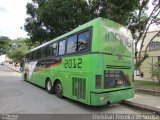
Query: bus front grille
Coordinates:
[79,87]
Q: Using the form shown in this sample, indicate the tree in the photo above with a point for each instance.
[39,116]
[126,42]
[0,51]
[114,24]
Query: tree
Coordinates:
[140,23]
[18,49]
[4,45]
[155,71]
[17,55]
[116,10]
[51,18]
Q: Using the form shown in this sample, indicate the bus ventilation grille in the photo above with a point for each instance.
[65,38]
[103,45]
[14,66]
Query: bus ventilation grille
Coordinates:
[117,67]
[79,87]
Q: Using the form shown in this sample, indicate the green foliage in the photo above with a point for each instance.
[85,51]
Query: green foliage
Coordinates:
[116,10]
[4,44]
[51,18]
[139,23]
[18,49]
[139,18]
[155,71]
[17,55]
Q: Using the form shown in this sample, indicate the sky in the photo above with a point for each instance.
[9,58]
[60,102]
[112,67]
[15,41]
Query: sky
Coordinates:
[12,18]
[153,27]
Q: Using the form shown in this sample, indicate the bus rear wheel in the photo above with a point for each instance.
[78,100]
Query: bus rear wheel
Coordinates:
[49,87]
[25,77]
[59,89]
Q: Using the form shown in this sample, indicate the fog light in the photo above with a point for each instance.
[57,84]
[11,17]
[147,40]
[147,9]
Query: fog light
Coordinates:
[103,98]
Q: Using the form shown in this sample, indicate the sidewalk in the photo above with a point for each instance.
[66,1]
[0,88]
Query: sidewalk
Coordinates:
[142,79]
[143,101]
[17,69]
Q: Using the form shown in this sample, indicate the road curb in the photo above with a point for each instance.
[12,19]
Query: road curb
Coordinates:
[13,69]
[149,92]
[141,106]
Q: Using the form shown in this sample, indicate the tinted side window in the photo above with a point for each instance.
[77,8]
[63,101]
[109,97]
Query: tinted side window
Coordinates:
[43,52]
[39,53]
[36,54]
[30,56]
[48,50]
[54,47]
[83,40]
[61,47]
[33,55]
[27,56]
[72,44]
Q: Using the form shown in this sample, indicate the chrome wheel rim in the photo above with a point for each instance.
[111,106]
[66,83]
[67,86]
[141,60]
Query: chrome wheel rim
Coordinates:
[59,88]
[49,85]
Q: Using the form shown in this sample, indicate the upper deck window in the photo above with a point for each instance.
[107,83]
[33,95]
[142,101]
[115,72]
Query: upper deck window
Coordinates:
[43,52]
[30,56]
[48,51]
[33,55]
[27,57]
[54,47]
[83,40]
[36,54]
[72,44]
[39,53]
[61,47]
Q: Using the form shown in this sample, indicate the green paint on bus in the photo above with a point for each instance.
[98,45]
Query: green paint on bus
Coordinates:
[93,63]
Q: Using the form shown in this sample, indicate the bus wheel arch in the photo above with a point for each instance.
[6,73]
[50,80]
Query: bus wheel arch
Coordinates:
[58,88]
[49,86]
[108,103]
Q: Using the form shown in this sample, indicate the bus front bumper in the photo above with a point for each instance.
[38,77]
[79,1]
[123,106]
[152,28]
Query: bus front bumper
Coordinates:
[98,99]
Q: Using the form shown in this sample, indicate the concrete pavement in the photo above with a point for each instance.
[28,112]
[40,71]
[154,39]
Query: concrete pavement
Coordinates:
[143,101]
[142,79]
[18,96]
[17,69]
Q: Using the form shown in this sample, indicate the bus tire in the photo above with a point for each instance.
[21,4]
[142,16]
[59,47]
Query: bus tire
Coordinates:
[49,87]
[59,89]
[25,77]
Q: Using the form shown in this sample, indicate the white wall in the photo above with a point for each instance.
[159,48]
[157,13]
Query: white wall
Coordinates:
[2,58]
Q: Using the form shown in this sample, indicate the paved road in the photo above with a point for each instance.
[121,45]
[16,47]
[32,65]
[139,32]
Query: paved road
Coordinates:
[18,96]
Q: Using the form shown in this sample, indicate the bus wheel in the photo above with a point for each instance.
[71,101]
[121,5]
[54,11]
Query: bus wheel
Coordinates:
[25,77]
[59,89]
[49,87]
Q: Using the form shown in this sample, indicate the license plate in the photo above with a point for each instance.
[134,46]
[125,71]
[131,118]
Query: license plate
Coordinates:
[119,82]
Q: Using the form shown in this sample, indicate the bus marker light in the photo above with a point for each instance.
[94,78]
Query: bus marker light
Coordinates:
[103,98]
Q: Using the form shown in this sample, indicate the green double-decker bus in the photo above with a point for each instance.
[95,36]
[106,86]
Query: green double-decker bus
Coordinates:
[93,64]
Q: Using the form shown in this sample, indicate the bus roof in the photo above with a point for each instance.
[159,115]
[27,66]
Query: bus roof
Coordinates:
[81,27]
